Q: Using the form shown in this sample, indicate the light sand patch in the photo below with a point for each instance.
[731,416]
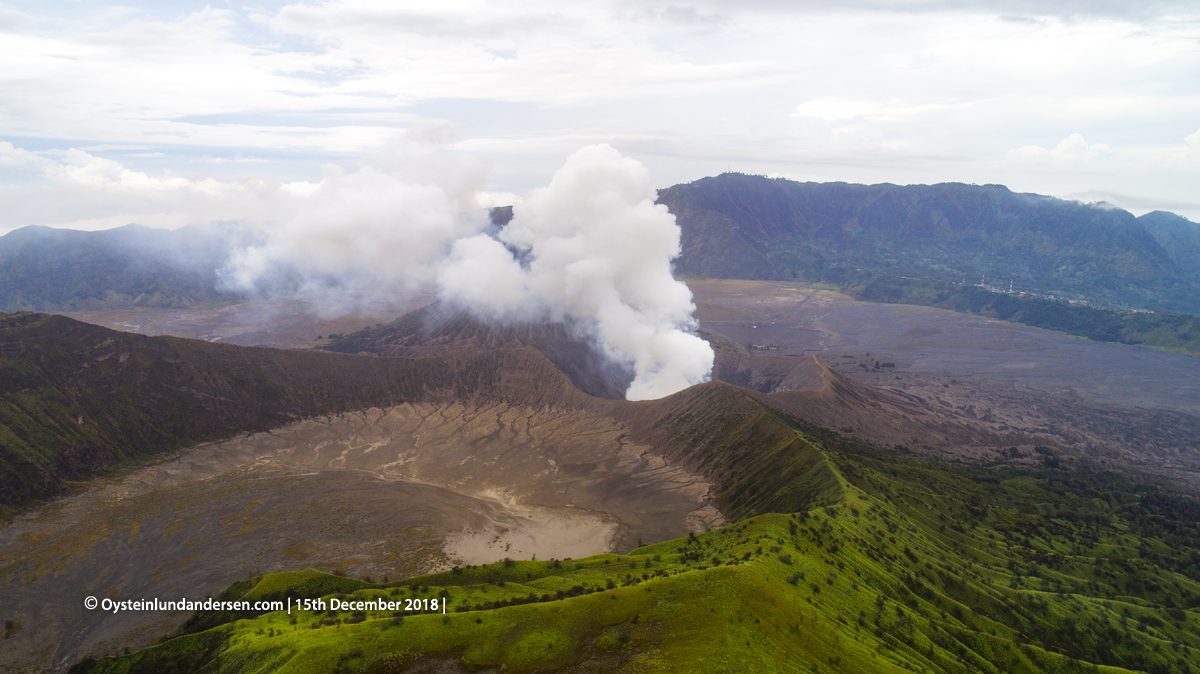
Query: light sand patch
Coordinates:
[539,533]
[704,519]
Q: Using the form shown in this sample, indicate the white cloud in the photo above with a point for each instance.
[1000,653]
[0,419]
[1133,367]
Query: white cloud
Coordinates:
[1013,10]
[1135,204]
[870,90]
[831,110]
[86,170]
[838,109]
[79,190]
[1071,152]
[10,20]
[15,158]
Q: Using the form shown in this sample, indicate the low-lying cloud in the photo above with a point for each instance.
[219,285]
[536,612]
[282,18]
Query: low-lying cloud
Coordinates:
[1072,151]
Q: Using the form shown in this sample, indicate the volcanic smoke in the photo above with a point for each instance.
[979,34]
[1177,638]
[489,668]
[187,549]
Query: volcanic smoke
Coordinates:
[591,249]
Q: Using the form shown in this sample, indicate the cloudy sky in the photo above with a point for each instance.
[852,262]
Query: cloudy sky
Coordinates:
[170,113]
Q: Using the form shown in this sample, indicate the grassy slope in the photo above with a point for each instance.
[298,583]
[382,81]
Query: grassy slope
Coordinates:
[917,567]
[755,460]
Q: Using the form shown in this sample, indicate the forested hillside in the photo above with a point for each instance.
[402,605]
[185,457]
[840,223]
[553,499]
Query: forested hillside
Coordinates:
[1179,236]
[740,226]
[45,269]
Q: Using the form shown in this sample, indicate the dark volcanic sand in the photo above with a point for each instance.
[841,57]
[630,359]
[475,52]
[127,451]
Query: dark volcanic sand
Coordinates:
[285,323]
[932,341]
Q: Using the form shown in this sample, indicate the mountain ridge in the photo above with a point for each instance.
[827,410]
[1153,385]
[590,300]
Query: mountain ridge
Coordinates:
[733,226]
[741,226]
[1177,235]
[842,556]
[48,269]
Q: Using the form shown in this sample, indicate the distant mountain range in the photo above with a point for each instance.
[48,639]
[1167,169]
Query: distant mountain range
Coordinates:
[742,226]
[47,269]
[734,226]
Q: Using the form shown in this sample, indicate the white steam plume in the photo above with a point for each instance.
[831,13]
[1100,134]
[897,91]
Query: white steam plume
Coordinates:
[592,248]
[385,228]
[599,251]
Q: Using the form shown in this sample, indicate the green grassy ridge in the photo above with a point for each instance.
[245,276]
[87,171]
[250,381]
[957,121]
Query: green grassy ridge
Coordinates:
[921,566]
[288,585]
[1174,332]
[756,461]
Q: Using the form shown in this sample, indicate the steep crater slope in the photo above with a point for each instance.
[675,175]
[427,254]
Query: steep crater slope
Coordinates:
[76,398]
[443,328]
[70,390]
[920,566]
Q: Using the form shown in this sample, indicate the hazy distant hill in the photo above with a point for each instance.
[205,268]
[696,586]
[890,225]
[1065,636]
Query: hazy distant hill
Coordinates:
[1177,235]
[740,226]
[46,269]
